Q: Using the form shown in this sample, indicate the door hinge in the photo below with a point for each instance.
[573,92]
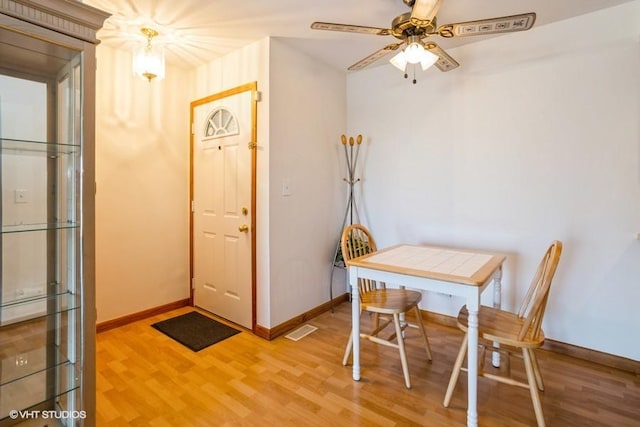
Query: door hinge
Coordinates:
[257,96]
[193,127]
[193,283]
[193,206]
[252,145]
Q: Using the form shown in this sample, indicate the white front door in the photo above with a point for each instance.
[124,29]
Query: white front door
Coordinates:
[222,138]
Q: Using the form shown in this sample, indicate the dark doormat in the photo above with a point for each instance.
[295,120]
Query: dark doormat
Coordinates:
[195,330]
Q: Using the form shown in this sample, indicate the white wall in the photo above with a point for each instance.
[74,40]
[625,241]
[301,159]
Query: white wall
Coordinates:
[23,115]
[246,65]
[307,116]
[142,198]
[143,178]
[300,119]
[535,137]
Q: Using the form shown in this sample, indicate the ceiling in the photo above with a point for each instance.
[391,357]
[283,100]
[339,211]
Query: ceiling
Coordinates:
[195,32]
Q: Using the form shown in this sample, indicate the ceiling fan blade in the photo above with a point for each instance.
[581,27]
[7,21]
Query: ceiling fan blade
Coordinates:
[424,11]
[445,62]
[359,29]
[503,24]
[374,56]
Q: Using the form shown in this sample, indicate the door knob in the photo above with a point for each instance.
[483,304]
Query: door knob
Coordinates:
[244,228]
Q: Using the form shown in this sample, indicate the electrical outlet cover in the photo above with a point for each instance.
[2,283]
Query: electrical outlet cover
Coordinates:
[21,196]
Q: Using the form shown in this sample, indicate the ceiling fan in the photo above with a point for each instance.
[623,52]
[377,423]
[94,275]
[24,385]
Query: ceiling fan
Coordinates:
[414,29]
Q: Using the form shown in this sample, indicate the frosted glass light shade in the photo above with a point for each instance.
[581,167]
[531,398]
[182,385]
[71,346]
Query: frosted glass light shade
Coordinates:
[148,63]
[414,53]
[399,61]
[427,59]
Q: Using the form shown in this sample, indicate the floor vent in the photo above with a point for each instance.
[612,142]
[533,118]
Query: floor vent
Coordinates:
[301,332]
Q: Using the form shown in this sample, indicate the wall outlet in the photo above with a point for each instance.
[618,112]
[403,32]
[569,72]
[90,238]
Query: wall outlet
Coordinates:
[21,196]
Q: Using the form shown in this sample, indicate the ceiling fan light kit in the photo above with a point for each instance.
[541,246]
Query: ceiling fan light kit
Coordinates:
[415,53]
[415,27]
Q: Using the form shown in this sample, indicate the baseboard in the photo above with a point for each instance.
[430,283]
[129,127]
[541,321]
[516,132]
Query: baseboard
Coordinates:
[262,332]
[290,324]
[601,358]
[558,347]
[440,319]
[130,318]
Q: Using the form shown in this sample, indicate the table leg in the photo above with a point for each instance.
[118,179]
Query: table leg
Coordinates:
[355,320]
[497,301]
[473,304]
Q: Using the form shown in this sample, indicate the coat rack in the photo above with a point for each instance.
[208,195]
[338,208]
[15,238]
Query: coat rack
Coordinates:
[351,151]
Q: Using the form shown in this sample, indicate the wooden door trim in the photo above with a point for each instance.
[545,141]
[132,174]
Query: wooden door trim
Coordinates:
[253,88]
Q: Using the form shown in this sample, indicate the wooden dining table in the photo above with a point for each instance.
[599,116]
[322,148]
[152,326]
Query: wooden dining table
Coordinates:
[452,271]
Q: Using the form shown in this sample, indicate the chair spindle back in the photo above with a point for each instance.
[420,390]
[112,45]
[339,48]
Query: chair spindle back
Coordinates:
[535,302]
[357,241]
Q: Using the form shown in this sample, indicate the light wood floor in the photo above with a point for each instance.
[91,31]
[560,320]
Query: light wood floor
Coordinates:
[144,378]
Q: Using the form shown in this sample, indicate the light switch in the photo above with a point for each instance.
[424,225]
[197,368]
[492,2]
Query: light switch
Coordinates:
[286,187]
[21,196]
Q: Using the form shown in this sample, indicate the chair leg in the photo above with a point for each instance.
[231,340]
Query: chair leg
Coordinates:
[423,332]
[455,374]
[347,350]
[533,387]
[536,369]
[403,354]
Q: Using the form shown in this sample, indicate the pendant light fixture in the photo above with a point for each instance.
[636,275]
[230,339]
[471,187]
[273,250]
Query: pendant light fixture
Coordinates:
[148,60]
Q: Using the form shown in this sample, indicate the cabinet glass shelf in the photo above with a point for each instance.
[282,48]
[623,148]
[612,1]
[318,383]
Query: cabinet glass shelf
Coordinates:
[20,228]
[34,308]
[23,365]
[25,147]
[57,293]
[27,392]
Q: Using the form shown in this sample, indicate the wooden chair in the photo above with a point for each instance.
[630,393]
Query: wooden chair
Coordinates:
[386,304]
[512,332]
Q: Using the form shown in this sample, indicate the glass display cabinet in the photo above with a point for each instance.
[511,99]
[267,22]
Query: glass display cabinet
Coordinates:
[47,298]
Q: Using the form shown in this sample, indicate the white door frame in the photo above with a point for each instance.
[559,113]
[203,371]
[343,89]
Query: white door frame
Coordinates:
[253,87]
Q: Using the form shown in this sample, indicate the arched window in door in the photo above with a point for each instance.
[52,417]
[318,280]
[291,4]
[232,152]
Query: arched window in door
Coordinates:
[220,123]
